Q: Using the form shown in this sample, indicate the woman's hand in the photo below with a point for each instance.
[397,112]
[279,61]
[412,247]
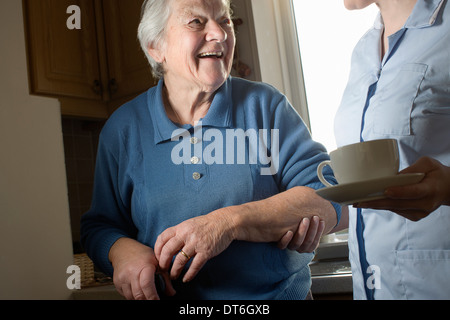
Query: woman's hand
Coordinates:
[204,237]
[307,237]
[200,239]
[135,268]
[417,201]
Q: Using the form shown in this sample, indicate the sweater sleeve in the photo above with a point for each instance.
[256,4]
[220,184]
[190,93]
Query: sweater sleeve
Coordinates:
[109,217]
[298,154]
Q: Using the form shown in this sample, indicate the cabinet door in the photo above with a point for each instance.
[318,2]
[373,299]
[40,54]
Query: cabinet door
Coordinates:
[62,62]
[129,71]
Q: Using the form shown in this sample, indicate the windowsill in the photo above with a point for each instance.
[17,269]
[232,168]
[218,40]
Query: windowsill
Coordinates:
[322,284]
[108,292]
[331,277]
[330,270]
[330,284]
[332,250]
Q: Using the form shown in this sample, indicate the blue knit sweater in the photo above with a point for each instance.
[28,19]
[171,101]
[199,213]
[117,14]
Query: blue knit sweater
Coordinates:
[152,174]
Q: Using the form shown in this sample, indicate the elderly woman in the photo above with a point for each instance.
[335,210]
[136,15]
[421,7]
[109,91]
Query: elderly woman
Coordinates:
[205,171]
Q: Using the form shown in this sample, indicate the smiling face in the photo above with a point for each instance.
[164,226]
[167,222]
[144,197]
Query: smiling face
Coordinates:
[198,46]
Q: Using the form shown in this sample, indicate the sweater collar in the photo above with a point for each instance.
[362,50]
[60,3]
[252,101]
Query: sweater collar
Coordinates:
[219,114]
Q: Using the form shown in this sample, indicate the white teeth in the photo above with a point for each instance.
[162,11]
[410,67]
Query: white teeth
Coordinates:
[210,54]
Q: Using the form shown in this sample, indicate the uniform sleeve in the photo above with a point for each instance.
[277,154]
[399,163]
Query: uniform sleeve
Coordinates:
[109,217]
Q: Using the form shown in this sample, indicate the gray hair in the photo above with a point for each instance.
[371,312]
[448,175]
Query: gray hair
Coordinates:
[154,17]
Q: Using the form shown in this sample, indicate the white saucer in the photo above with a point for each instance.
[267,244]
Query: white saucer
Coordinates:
[350,193]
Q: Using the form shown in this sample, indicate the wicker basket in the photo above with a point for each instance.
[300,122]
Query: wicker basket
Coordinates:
[87,269]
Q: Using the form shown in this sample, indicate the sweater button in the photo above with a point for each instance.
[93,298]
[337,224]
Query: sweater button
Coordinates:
[195,160]
[196,176]
[194,140]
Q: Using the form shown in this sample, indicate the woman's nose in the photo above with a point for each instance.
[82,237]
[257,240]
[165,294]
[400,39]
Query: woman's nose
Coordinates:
[215,32]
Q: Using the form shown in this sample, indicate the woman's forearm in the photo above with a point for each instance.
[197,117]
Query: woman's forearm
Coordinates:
[269,219]
[204,237]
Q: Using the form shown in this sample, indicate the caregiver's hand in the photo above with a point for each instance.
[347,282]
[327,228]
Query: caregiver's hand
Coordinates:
[307,237]
[135,267]
[417,201]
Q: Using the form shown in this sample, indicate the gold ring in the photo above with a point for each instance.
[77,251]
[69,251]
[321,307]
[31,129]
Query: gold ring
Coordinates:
[185,254]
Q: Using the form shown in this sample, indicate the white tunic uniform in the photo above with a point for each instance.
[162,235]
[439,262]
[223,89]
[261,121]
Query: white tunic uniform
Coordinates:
[406,96]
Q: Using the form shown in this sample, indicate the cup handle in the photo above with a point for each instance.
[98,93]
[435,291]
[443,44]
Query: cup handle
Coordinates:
[320,172]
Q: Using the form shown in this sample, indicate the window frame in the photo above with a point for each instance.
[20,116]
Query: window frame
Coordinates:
[280,62]
[281,66]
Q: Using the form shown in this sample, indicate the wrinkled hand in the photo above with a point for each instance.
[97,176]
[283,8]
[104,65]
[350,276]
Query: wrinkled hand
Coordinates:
[204,237]
[307,237]
[135,267]
[417,201]
[199,239]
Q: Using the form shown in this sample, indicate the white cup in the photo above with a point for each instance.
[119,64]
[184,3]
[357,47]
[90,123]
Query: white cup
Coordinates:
[362,161]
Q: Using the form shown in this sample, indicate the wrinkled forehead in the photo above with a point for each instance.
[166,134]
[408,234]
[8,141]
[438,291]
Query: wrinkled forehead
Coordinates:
[185,8]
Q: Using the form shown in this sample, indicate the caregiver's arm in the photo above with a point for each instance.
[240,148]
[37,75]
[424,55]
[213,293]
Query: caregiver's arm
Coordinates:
[267,220]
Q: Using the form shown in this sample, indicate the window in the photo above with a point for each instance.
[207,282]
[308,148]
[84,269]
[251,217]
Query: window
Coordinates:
[304,50]
[327,33]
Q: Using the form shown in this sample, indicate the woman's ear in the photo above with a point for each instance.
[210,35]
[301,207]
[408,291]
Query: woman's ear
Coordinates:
[156,53]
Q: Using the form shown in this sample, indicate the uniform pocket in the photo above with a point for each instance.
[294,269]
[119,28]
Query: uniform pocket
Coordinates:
[425,274]
[394,107]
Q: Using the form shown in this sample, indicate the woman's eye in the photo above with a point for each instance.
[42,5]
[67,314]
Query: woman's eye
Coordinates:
[227,21]
[195,22]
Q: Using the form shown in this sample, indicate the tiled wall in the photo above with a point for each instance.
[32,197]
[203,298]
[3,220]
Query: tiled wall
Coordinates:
[80,148]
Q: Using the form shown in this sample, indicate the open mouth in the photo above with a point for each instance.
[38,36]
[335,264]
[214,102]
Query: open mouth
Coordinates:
[212,54]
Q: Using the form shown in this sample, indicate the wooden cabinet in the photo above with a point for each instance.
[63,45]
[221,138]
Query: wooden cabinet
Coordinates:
[92,70]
